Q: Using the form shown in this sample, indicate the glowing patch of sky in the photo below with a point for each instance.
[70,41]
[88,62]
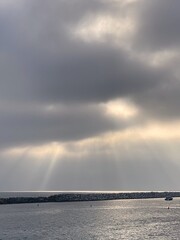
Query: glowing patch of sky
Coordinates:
[102,27]
[121,109]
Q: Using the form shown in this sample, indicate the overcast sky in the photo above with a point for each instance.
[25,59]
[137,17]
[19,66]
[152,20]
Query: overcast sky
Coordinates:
[89,95]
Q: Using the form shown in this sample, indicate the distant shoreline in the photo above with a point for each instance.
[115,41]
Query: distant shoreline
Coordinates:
[75,197]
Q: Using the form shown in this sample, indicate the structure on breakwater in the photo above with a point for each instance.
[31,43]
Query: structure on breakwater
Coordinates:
[71,197]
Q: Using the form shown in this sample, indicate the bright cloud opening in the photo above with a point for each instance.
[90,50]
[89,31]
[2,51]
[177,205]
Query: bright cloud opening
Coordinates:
[121,109]
[101,28]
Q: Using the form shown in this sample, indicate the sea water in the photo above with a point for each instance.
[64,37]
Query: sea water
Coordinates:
[117,219]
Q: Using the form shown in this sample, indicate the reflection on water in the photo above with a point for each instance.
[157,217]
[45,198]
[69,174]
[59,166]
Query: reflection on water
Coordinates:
[120,219]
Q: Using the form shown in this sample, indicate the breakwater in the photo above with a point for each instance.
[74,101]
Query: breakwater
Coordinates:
[72,197]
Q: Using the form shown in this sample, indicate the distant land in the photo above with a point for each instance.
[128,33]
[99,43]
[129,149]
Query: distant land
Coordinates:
[72,197]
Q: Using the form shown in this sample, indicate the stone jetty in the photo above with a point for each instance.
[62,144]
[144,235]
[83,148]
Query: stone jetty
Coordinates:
[72,197]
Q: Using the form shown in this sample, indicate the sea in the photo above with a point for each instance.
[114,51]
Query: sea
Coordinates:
[101,220]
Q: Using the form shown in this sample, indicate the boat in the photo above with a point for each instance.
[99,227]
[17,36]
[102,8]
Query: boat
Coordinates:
[168,198]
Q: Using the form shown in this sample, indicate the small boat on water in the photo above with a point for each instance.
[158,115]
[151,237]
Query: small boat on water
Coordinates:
[168,198]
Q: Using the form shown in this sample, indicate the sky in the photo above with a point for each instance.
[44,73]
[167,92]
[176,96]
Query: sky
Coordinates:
[89,95]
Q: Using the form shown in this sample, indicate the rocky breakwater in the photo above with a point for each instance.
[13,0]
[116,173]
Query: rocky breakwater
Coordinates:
[15,200]
[72,197]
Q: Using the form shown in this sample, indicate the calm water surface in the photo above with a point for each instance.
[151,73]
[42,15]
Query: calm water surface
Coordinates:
[120,219]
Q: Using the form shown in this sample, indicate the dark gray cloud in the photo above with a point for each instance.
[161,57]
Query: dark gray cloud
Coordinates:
[38,126]
[161,103]
[158,27]
[95,74]
[46,63]
[158,33]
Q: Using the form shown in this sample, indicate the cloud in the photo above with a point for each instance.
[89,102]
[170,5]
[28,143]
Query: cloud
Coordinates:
[43,62]
[32,126]
[161,103]
[48,64]
[158,24]
[77,71]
